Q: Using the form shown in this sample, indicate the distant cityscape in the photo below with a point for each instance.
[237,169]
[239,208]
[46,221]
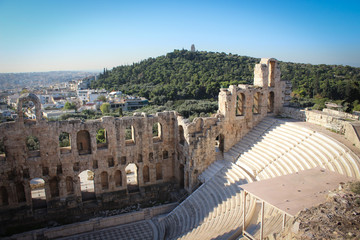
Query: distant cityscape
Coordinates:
[60,93]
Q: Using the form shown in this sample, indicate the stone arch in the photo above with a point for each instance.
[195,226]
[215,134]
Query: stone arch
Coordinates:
[118,178]
[271,80]
[240,104]
[69,185]
[181,135]
[146,174]
[130,135]
[28,97]
[132,177]
[101,138]
[87,185]
[157,131]
[54,187]
[159,174]
[104,180]
[257,101]
[64,143]
[33,146]
[271,100]
[20,192]
[83,142]
[38,194]
[4,196]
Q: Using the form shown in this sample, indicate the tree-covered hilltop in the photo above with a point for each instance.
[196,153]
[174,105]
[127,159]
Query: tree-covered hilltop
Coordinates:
[179,75]
[184,74]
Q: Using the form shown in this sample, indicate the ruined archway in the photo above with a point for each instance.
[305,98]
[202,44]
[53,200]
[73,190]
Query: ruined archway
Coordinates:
[132,177]
[271,102]
[83,142]
[87,186]
[28,104]
[38,195]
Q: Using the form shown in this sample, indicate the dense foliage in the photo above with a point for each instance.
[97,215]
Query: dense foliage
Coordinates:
[199,75]
[179,75]
[64,139]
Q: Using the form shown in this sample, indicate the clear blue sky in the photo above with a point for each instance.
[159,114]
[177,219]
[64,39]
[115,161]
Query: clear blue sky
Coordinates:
[90,35]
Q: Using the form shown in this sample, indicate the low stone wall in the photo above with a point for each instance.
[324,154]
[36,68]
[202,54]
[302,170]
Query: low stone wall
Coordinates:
[94,224]
[329,121]
[343,115]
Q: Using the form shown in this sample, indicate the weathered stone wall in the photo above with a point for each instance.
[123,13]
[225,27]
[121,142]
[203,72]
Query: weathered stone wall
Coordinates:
[328,119]
[176,157]
[266,97]
[57,165]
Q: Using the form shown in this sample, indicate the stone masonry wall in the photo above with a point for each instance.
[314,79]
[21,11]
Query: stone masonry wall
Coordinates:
[177,156]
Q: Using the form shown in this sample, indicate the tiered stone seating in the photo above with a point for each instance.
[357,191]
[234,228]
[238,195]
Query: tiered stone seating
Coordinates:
[211,171]
[212,210]
[273,148]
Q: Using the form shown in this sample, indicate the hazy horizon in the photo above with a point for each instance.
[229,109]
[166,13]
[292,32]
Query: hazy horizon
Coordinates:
[43,36]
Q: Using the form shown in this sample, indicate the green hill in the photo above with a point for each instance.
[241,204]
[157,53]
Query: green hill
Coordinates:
[182,74]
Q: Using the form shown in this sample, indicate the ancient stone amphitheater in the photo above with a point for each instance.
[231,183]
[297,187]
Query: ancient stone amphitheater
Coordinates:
[211,158]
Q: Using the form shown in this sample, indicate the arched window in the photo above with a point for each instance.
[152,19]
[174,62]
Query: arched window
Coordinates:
[181,135]
[69,185]
[159,171]
[118,178]
[87,185]
[64,143]
[33,146]
[132,177]
[130,135]
[157,131]
[271,102]
[29,107]
[146,175]
[4,196]
[38,195]
[20,192]
[54,187]
[257,100]
[240,105]
[104,180]
[83,142]
[101,139]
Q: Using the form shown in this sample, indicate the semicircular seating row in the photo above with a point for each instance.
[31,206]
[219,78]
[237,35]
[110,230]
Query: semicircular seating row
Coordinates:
[273,148]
